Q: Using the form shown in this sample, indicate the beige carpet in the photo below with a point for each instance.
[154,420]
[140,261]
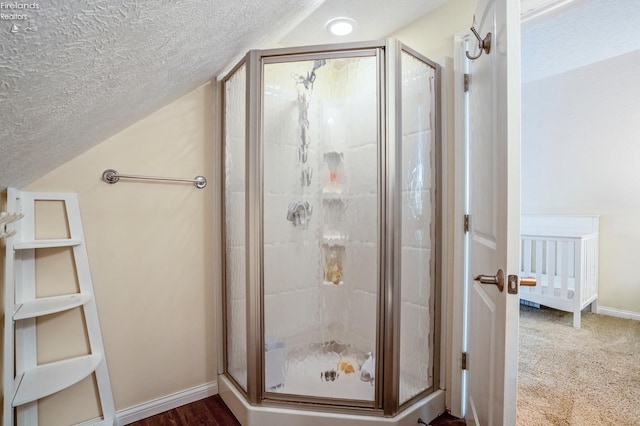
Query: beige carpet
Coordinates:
[580,377]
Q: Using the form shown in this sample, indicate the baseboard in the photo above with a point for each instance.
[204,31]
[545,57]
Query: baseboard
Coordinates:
[613,312]
[165,403]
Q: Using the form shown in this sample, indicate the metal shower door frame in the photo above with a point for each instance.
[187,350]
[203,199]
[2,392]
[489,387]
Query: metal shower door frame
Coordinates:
[388,54]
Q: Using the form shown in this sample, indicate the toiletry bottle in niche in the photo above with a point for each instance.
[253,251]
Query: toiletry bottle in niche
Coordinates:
[333,265]
[334,161]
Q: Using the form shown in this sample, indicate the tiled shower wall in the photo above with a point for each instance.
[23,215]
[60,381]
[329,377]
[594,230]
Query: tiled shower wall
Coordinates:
[359,114]
[299,309]
[291,253]
[234,199]
[418,206]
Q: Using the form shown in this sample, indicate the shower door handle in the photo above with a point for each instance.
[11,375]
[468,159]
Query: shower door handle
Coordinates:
[497,279]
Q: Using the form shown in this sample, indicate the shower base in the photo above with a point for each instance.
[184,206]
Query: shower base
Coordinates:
[426,409]
[307,378]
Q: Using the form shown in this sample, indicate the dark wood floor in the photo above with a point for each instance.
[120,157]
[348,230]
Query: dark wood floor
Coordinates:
[209,411]
[447,419]
[212,411]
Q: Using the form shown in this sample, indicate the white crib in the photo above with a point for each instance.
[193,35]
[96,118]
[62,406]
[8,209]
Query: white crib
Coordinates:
[561,252]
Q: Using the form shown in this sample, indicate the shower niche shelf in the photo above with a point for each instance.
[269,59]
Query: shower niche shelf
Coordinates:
[335,206]
[333,261]
[332,194]
[335,210]
[333,180]
[331,239]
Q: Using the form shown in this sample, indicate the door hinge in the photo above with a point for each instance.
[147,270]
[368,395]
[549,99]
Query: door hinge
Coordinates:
[464,361]
[467,81]
[466,223]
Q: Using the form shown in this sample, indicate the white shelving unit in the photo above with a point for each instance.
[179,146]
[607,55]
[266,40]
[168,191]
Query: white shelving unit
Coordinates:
[333,240]
[29,381]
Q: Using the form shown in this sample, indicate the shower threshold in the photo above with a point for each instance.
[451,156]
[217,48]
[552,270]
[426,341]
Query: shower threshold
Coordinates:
[427,409]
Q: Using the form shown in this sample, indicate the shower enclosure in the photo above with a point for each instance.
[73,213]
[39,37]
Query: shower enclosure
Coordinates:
[331,231]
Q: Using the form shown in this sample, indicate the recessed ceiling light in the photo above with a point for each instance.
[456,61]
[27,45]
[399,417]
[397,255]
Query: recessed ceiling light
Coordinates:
[340,26]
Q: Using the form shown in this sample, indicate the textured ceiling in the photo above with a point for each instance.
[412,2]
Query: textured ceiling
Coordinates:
[579,33]
[76,72]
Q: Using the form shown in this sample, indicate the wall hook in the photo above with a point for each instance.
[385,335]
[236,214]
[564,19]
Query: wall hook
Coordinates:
[483,44]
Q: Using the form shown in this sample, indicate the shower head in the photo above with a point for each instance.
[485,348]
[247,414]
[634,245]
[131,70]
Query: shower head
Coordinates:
[311,76]
[317,64]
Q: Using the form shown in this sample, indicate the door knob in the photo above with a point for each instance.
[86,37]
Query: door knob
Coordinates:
[497,279]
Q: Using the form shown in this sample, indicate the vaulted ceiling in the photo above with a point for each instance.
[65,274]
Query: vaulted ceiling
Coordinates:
[74,73]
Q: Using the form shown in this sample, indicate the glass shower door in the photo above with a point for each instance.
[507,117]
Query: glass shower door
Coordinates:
[418,266]
[235,232]
[320,225]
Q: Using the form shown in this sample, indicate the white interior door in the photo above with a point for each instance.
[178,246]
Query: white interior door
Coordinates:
[493,203]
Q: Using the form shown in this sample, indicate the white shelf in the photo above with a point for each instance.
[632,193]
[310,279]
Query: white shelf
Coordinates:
[25,381]
[332,195]
[332,284]
[50,378]
[50,305]
[36,244]
[334,240]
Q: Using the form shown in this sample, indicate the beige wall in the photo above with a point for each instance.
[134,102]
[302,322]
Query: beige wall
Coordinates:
[432,35]
[153,260]
[580,155]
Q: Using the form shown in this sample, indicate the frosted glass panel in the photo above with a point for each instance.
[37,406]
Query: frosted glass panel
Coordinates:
[320,227]
[234,198]
[417,265]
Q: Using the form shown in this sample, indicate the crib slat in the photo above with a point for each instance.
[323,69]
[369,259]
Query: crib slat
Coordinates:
[539,247]
[526,247]
[580,259]
[580,262]
[551,265]
[585,271]
[594,266]
[526,263]
[593,260]
[564,268]
[594,269]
